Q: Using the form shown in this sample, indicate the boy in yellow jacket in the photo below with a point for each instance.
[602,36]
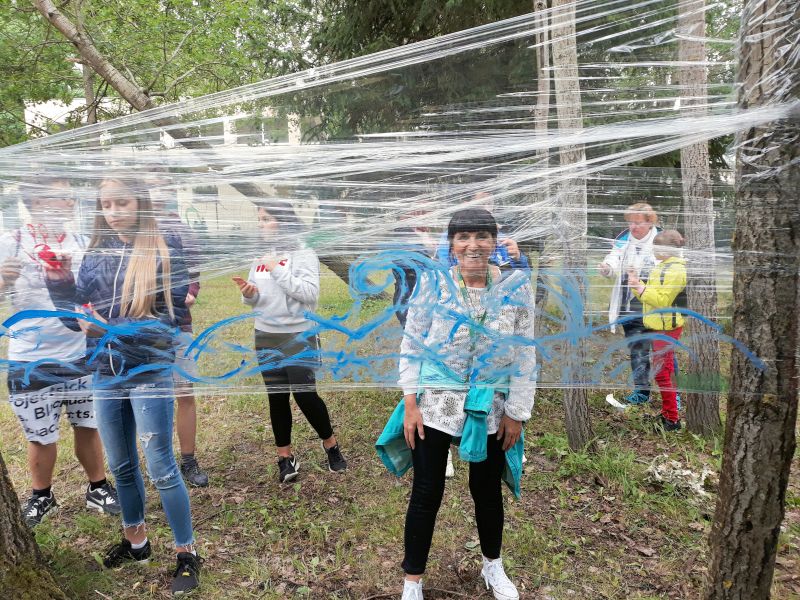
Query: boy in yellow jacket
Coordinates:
[665,288]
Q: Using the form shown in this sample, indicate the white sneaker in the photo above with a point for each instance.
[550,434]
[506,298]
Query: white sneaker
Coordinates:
[450,471]
[496,580]
[412,590]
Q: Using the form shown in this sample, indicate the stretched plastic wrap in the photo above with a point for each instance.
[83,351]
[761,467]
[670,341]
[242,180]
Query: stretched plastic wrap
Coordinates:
[330,192]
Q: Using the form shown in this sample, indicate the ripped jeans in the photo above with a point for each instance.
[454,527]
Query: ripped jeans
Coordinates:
[143,408]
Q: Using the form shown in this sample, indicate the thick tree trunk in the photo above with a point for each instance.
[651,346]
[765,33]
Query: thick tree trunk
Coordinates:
[762,404]
[702,371]
[23,573]
[573,195]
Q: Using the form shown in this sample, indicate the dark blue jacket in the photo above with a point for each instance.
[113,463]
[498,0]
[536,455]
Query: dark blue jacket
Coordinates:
[134,341]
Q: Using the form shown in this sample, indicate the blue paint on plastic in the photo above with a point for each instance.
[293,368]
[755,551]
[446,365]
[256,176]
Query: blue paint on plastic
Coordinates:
[374,275]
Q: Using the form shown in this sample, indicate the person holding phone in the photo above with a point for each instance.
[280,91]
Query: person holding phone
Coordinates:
[281,287]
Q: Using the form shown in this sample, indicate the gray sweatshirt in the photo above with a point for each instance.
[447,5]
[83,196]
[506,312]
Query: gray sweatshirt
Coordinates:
[285,293]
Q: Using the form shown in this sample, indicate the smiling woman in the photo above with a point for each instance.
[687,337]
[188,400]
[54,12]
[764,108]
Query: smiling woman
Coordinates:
[467,370]
[472,234]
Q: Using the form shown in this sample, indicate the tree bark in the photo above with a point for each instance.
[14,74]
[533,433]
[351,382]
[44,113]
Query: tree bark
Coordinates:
[541,114]
[87,72]
[762,404]
[132,94]
[23,573]
[88,94]
[573,195]
[702,371]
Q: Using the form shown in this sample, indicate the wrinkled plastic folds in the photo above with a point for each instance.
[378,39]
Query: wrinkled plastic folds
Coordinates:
[363,163]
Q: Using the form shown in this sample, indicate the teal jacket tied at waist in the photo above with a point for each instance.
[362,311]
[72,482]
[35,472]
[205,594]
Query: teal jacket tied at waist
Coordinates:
[396,455]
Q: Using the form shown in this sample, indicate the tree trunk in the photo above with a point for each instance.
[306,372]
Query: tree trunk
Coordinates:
[23,573]
[762,403]
[541,113]
[88,93]
[702,371]
[573,197]
[87,72]
[132,94]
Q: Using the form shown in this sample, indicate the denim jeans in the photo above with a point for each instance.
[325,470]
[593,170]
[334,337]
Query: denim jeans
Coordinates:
[143,408]
[640,354]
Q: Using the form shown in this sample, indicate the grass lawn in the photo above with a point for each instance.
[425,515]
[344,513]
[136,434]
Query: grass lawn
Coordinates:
[586,527]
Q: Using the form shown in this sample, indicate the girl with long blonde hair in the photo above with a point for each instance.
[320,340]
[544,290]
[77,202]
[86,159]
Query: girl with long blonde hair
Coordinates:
[132,285]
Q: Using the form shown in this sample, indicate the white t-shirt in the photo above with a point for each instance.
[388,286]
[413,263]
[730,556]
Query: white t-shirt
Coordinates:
[42,337]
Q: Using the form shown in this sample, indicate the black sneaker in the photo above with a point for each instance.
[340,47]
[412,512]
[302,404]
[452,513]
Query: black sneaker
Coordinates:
[36,507]
[193,474]
[122,552]
[662,423]
[336,461]
[103,499]
[187,573]
[288,467]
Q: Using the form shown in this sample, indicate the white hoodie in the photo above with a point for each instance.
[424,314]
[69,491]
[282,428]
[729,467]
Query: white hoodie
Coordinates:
[39,338]
[285,293]
[628,253]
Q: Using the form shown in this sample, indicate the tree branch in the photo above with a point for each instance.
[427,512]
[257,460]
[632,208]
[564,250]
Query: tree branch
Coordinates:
[134,96]
[169,60]
[22,120]
[186,74]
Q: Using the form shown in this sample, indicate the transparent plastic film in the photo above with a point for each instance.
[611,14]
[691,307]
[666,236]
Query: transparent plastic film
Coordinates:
[334,220]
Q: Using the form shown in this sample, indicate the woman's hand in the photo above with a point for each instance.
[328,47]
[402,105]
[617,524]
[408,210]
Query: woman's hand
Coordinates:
[633,279]
[412,421]
[270,261]
[60,273]
[189,301]
[10,271]
[511,247]
[509,431]
[91,329]
[247,289]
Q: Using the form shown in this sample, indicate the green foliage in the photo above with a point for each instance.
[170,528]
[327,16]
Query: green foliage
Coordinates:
[351,28]
[33,68]
[187,48]
[357,27]
[172,50]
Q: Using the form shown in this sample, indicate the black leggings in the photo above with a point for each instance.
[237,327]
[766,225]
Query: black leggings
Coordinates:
[297,380]
[430,462]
